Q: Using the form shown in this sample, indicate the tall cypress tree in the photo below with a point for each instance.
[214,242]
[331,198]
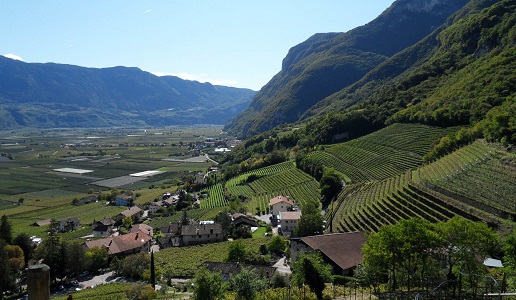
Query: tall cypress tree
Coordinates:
[152,271]
[5,230]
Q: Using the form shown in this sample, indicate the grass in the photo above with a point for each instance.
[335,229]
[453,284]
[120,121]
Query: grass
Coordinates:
[184,261]
[259,233]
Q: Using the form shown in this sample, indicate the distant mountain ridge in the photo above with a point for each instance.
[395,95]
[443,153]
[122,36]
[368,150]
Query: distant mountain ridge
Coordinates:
[329,62]
[57,95]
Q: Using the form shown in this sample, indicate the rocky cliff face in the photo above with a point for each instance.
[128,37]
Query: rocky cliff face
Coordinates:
[326,63]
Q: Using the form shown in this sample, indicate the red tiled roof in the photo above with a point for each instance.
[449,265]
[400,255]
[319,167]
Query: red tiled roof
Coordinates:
[121,243]
[143,228]
[344,249]
[280,199]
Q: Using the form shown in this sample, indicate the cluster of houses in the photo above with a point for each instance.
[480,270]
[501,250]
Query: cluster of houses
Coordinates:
[284,215]
[340,250]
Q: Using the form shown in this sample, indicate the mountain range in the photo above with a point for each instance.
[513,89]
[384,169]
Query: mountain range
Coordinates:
[442,63]
[57,95]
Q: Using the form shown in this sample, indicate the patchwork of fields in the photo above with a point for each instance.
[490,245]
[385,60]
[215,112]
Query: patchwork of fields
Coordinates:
[51,168]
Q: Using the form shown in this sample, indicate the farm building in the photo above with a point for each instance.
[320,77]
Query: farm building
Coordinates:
[143,228]
[69,224]
[343,251]
[134,212]
[123,200]
[178,235]
[288,220]
[280,203]
[122,245]
[103,227]
[41,223]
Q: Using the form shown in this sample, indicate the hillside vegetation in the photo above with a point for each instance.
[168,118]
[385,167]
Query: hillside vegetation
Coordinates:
[476,182]
[56,95]
[460,74]
[328,62]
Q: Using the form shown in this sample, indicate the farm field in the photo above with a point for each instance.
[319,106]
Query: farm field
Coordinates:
[41,172]
[435,192]
[385,153]
[265,183]
[192,257]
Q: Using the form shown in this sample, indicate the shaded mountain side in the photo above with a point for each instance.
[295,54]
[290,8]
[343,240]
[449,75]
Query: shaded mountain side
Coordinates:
[468,77]
[57,95]
[327,63]
[397,66]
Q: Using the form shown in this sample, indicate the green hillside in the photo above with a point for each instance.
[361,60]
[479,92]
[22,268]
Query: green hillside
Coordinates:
[476,182]
[463,75]
[379,155]
[329,62]
[254,189]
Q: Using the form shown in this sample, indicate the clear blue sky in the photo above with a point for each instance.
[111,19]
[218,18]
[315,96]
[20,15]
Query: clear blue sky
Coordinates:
[235,43]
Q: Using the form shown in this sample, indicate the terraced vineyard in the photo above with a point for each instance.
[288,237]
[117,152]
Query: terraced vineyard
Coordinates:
[268,182]
[481,174]
[434,192]
[215,197]
[382,154]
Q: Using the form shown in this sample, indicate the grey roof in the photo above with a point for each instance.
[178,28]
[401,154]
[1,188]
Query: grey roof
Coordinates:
[201,229]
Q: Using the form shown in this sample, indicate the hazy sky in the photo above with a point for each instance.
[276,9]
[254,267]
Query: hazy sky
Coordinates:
[235,43]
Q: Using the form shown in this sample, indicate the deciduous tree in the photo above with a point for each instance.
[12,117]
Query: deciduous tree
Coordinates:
[207,285]
[311,221]
[310,269]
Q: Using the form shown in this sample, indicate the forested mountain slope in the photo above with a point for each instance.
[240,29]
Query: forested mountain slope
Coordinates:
[468,79]
[327,63]
[56,95]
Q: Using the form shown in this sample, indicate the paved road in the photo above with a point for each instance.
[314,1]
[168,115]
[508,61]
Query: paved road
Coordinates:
[281,267]
[99,279]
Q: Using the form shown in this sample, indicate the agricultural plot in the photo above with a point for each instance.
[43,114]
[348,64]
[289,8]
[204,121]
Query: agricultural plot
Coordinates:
[192,257]
[382,154]
[268,182]
[118,181]
[481,172]
[435,192]
[215,197]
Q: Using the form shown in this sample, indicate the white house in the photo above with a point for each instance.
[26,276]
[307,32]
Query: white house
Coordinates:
[288,220]
[280,203]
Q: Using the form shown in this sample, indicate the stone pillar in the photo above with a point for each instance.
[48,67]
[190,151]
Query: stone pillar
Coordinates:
[38,282]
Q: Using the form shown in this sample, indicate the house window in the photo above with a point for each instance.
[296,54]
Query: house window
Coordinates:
[217,235]
[199,236]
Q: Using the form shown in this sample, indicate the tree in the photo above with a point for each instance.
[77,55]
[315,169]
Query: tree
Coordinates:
[236,252]
[6,230]
[134,266]
[223,218]
[509,249]
[311,221]
[152,271]
[76,260]
[330,185]
[96,258]
[8,277]
[247,284]
[52,252]
[25,243]
[15,259]
[208,286]
[277,245]
[463,241]
[401,252]
[140,292]
[127,222]
[310,269]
